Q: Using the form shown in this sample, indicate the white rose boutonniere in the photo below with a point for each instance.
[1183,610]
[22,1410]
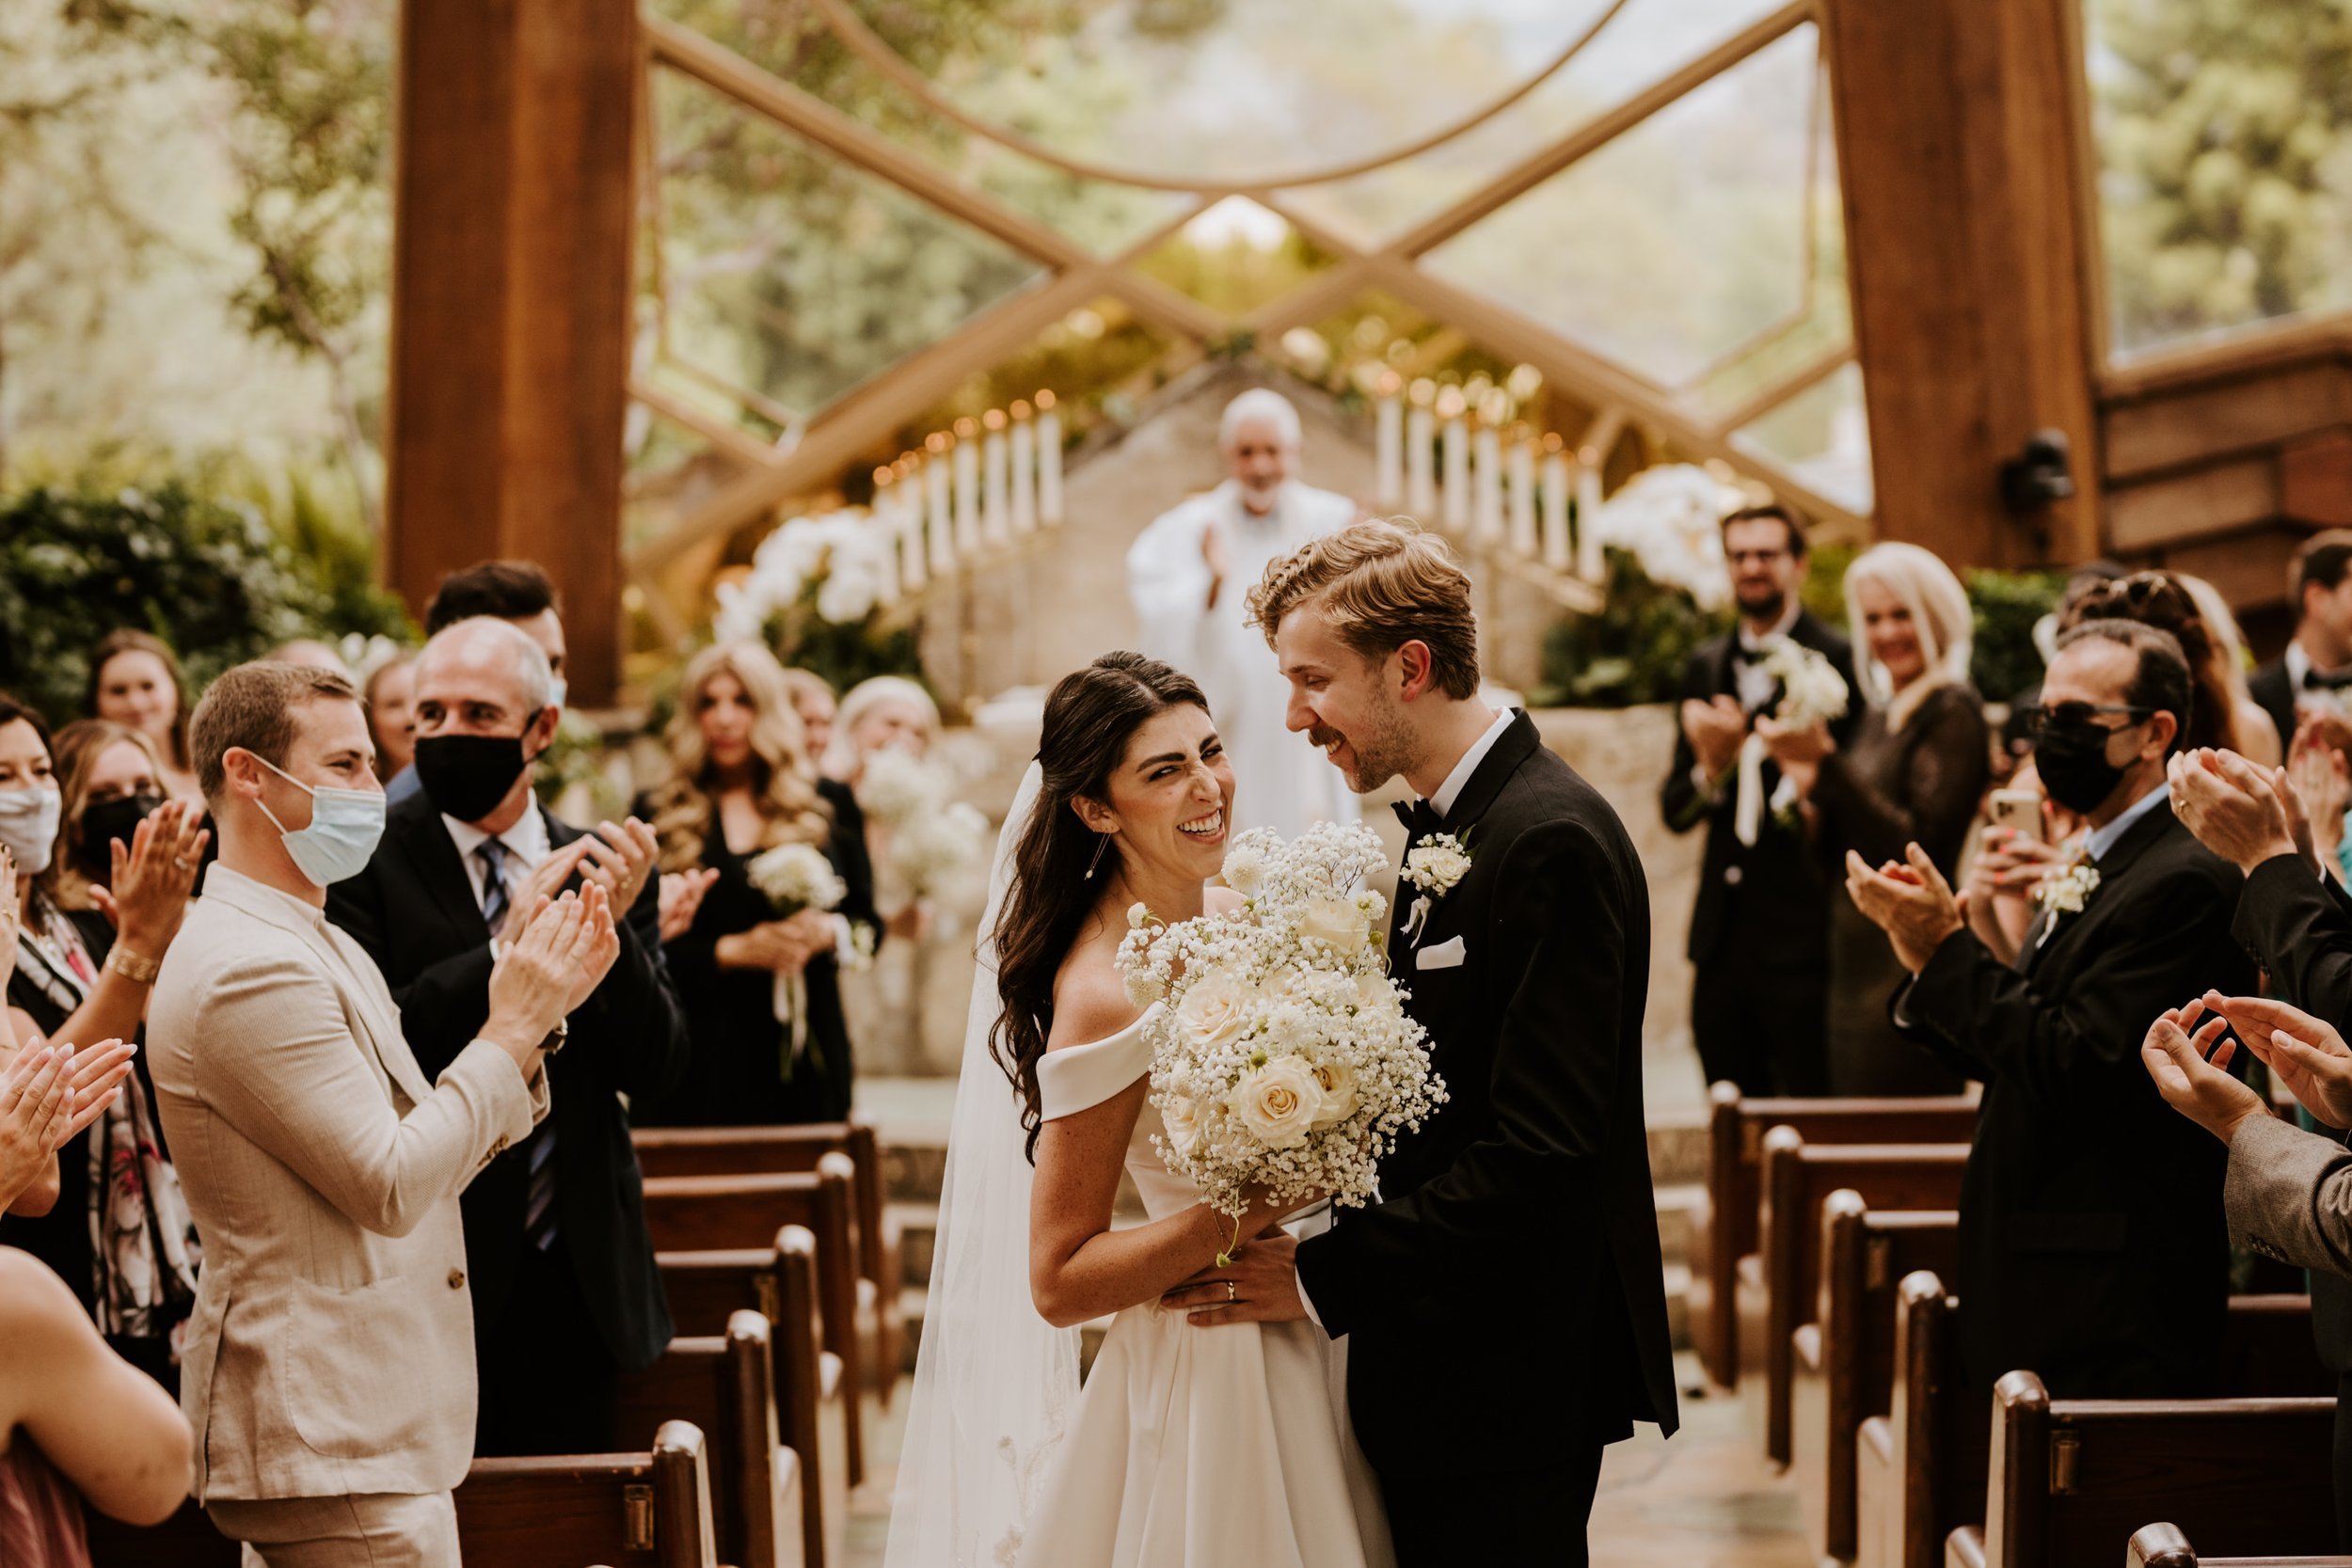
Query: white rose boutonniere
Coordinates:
[2066,892]
[1434,867]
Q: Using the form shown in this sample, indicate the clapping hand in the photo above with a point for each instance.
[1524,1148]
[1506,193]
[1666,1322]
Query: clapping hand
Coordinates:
[1715,730]
[2306,1054]
[2003,880]
[2235,808]
[147,891]
[1797,748]
[48,1094]
[564,952]
[680,897]
[2193,1083]
[1911,903]
[2322,789]
[541,887]
[620,856]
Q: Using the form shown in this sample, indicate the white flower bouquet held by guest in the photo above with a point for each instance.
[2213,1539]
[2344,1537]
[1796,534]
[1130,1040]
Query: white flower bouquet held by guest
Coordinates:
[1283,1062]
[1812,694]
[793,877]
[929,841]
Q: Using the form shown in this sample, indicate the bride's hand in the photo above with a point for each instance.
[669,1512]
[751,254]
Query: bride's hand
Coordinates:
[1259,1286]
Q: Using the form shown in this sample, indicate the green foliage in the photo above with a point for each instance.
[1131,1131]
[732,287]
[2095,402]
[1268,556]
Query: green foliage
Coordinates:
[1632,651]
[2007,605]
[1824,589]
[209,579]
[2225,128]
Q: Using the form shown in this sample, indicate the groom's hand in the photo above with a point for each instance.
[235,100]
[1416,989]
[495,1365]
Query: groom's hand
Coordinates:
[1259,1286]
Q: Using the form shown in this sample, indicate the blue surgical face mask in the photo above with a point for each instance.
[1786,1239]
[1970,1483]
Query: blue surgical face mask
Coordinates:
[28,825]
[557,691]
[346,826]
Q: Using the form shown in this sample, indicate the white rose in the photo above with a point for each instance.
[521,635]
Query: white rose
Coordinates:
[1182,1118]
[1280,1103]
[1374,993]
[1337,1080]
[1216,1008]
[1337,921]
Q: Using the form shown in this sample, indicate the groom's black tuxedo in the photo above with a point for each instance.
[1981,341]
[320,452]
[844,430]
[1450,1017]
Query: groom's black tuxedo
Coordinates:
[1505,1305]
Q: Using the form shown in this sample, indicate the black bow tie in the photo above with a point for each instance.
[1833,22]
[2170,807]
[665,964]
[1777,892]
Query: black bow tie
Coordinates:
[2327,680]
[1419,817]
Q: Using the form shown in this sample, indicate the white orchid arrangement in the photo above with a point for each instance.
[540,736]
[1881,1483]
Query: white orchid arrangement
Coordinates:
[836,563]
[1434,866]
[1281,1053]
[1671,518]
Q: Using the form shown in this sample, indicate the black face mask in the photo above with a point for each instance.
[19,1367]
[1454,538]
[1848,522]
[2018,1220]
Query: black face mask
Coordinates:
[2073,762]
[105,823]
[465,776]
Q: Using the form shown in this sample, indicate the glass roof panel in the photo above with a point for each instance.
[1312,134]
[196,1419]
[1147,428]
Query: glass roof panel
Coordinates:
[793,273]
[1820,438]
[1641,46]
[1678,242]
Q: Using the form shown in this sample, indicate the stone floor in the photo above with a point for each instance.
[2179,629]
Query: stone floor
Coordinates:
[1706,1499]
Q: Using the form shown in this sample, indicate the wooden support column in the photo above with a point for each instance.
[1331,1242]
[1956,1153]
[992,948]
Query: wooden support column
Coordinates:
[1967,235]
[510,295]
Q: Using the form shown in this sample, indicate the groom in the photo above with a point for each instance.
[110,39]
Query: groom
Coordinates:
[1504,1303]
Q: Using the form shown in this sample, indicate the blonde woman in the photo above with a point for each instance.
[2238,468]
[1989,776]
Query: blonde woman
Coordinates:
[1912,771]
[878,714]
[742,783]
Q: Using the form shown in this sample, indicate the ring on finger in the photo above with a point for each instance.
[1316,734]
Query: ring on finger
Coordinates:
[1231,1294]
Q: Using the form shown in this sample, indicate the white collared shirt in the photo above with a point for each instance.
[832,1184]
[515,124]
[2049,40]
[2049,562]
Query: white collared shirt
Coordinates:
[1457,781]
[526,843]
[2101,840]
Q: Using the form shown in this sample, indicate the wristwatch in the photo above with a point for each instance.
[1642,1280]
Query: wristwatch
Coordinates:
[556,1037]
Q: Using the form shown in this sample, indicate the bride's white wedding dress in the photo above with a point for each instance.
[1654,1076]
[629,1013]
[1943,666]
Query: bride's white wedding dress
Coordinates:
[1187,1447]
[1195,1447]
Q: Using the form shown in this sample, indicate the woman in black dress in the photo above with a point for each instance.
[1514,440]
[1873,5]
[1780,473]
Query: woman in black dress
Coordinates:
[1914,771]
[91,932]
[743,784]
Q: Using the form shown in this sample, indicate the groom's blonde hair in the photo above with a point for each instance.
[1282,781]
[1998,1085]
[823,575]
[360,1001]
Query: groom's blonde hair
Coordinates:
[1380,584]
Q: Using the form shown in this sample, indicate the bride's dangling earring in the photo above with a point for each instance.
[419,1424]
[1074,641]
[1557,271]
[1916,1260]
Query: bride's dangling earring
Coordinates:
[1101,842]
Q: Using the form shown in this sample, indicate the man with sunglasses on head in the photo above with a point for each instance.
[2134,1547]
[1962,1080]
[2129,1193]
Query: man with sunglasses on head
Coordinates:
[2092,1247]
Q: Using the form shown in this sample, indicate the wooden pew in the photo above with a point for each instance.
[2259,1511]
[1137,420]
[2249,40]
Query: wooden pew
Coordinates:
[1844,1363]
[711,1214]
[2071,1476]
[779,1281]
[1724,1231]
[756,1150]
[1921,1470]
[726,1387]
[2164,1546]
[1798,1179]
[628,1510]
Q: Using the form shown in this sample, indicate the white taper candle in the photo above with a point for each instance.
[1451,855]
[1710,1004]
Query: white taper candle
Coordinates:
[1023,470]
[1049,503]
[1559,550]
[1522,464]
[967,470]
[1389,443]
[1590,566]
[996,481]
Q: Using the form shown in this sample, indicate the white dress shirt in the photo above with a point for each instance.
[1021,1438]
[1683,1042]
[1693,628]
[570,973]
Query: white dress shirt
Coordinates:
[2100,840]
[1318,1220]
[526,843]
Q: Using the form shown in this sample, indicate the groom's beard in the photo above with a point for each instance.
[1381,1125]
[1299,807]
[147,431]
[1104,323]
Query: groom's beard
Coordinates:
[1368,758]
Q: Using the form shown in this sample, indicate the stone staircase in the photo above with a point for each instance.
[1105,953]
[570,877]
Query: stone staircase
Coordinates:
[912,1116]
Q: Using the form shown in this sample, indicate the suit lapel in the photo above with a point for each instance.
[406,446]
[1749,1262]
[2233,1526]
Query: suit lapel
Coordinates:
[1494,770]
[2120,858]
[440,868]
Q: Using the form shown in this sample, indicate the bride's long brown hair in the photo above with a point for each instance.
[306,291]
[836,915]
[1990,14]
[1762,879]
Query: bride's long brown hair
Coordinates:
[1089,719]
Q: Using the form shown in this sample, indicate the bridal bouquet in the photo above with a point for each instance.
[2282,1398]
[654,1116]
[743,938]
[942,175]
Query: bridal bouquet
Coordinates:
[1811,692]
[1281,1053]
[792,877]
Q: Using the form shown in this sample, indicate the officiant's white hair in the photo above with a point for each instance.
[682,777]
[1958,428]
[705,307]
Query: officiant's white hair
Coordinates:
[1260,406]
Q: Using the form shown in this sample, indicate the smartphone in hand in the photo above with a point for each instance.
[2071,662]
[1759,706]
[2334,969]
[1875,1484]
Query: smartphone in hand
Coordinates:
[2019,810]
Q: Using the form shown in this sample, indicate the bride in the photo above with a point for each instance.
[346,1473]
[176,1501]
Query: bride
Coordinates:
[1189,1445]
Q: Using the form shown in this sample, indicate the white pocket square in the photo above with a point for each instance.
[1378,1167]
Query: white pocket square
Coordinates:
[1448,954]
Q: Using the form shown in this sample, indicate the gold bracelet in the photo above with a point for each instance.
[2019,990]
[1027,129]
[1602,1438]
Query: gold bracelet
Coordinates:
[138,971]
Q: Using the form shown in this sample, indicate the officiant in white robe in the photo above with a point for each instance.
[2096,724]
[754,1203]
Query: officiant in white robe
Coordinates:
[1191,574]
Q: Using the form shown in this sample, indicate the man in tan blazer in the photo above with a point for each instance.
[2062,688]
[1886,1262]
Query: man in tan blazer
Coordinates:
[328,1369]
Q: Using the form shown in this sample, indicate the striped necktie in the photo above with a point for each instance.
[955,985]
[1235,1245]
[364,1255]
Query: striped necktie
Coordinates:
[539,1148]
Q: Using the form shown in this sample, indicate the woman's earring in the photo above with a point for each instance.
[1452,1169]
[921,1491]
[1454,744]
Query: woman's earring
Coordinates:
[1101,842]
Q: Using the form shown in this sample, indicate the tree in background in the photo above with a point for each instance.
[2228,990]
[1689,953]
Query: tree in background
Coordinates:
[2225,132]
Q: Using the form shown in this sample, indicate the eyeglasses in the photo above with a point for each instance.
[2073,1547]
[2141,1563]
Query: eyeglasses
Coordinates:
[2075,714]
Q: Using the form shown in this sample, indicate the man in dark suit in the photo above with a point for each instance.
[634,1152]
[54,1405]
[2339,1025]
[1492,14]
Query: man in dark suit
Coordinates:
[565,1293]
[1759,932]
[1504,1303]
[2316,667]
[2092,1245]
[2297,924]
